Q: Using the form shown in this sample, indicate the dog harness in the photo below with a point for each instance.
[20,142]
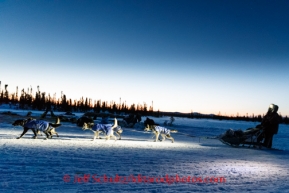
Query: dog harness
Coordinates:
[118,128]
[106,128]
[162,130]
[37,124]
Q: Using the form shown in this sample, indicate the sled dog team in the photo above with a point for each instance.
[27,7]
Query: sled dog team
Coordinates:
[108,130]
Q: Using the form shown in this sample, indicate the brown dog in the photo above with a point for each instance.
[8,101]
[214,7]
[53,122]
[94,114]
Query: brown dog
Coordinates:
[158,130]
[29,124]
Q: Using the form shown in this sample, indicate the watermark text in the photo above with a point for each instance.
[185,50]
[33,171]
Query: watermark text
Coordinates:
[168,179]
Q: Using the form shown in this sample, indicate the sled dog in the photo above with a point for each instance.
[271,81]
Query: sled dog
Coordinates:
[158,130]
[106,129]
[37,126]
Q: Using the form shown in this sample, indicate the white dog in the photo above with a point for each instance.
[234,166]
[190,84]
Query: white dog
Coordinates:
[106,129]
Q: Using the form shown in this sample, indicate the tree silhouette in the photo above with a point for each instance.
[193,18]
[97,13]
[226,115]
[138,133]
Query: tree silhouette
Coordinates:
[42,101]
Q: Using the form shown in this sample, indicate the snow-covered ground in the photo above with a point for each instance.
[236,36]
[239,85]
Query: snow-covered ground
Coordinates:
[194,163]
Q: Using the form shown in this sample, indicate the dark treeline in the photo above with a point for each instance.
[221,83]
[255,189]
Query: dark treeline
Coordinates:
[253,118]
[42,101]
[46,102]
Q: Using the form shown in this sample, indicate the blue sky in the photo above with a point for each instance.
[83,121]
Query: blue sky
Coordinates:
[204,56]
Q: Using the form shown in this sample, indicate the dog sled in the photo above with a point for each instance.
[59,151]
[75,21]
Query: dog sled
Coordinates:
[251,137]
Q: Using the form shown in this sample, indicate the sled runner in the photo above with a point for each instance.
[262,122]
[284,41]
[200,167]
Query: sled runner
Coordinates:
[249,137]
